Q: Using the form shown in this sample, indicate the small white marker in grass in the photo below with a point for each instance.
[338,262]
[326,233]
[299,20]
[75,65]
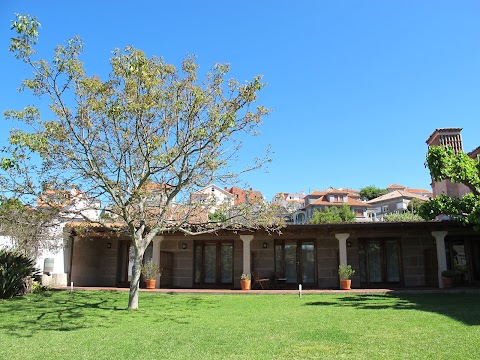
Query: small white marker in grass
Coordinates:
[300,290]
[71,286]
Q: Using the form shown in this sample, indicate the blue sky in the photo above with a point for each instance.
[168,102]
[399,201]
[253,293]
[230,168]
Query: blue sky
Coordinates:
[356,87]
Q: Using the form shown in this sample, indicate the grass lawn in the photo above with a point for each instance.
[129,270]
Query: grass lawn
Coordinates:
[96,325]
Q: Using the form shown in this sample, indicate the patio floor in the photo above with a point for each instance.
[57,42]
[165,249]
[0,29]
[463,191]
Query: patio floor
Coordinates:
[285,292]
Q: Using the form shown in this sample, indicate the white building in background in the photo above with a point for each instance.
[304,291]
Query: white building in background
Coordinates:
[212,197]
[54,262]
[395,201]
[292,203]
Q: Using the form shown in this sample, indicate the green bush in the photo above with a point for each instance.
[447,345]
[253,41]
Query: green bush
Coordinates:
[15,270]
[38,287]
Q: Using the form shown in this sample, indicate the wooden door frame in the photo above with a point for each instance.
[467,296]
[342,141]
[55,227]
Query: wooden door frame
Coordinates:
[299,262]
[383,262]
[218,245]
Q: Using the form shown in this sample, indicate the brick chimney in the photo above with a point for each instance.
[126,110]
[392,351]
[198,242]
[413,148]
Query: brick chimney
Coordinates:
[447,137]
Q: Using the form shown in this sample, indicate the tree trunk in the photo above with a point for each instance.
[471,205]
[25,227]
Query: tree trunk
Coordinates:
[135,281]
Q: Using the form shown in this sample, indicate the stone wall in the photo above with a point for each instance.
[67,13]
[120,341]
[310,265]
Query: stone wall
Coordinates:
[94,262]
[413,247]
[327,262]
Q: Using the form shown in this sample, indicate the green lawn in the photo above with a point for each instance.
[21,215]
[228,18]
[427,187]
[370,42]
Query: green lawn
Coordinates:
[96,325]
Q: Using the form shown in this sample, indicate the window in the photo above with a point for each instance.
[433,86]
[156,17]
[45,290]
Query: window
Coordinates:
[379,261]
[385,208]
[213,262]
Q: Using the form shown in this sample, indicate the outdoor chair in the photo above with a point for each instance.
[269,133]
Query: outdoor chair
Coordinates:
[279,281]
[262,282]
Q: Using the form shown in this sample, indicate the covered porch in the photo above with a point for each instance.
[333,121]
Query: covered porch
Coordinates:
[384,255]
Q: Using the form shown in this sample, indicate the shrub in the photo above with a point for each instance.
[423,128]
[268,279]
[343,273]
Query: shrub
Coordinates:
[450,273]
[38,287]
[345,271]
[16,270]
[150,270]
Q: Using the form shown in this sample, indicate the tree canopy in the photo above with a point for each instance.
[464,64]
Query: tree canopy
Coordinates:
[333,214]
[371,192]
[445,164]
[29,228]
[402,216]
[141,141]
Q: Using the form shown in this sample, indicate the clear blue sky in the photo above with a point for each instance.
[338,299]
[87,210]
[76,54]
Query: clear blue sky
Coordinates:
[356,87]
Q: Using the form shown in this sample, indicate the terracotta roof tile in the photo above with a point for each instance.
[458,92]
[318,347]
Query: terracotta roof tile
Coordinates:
[351,202]
[443,130]
[474,153]
[396,194]
[418,191]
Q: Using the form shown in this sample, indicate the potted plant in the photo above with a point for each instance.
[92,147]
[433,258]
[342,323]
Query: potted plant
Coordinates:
[345,272]
[245,282]
[448,277]
[150,270]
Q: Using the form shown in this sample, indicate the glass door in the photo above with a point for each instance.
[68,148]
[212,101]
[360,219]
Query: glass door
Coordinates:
[226,263]
[291,262]
[209,263]
[213,263]
[379,262]
[308,263]
[295,260]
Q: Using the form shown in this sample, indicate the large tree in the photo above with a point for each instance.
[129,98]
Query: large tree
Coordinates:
[371,192]
[141,141]
[333,214]
[445,164]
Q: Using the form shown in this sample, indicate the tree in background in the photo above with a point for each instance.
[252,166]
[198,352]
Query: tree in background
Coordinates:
[444,164]
[333,215]
[28,228]
[149,127]
[371,192]
[217,216]
[402,216]
[414,205]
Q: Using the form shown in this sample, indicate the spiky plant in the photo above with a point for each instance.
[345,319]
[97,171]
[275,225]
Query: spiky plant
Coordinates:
[15,270]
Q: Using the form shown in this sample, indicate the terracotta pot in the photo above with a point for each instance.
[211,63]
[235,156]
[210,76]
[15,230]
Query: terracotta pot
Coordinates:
[245,284]
[345,284]
[448,282]
[151,283]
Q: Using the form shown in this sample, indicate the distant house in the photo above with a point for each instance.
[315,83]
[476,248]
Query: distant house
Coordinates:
[158,193]
[292,203]
[212,198]
[73,203]
[421,192]
[245,196]
[393,202]
[319,200]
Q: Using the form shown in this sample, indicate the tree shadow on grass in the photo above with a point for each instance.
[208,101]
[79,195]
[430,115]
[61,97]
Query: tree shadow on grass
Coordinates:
[464,308]
[54,311]
[65,311]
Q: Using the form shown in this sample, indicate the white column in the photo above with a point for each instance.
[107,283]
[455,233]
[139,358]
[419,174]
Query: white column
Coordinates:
[157,240]
[441,255]
[246,239]
[342,247]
